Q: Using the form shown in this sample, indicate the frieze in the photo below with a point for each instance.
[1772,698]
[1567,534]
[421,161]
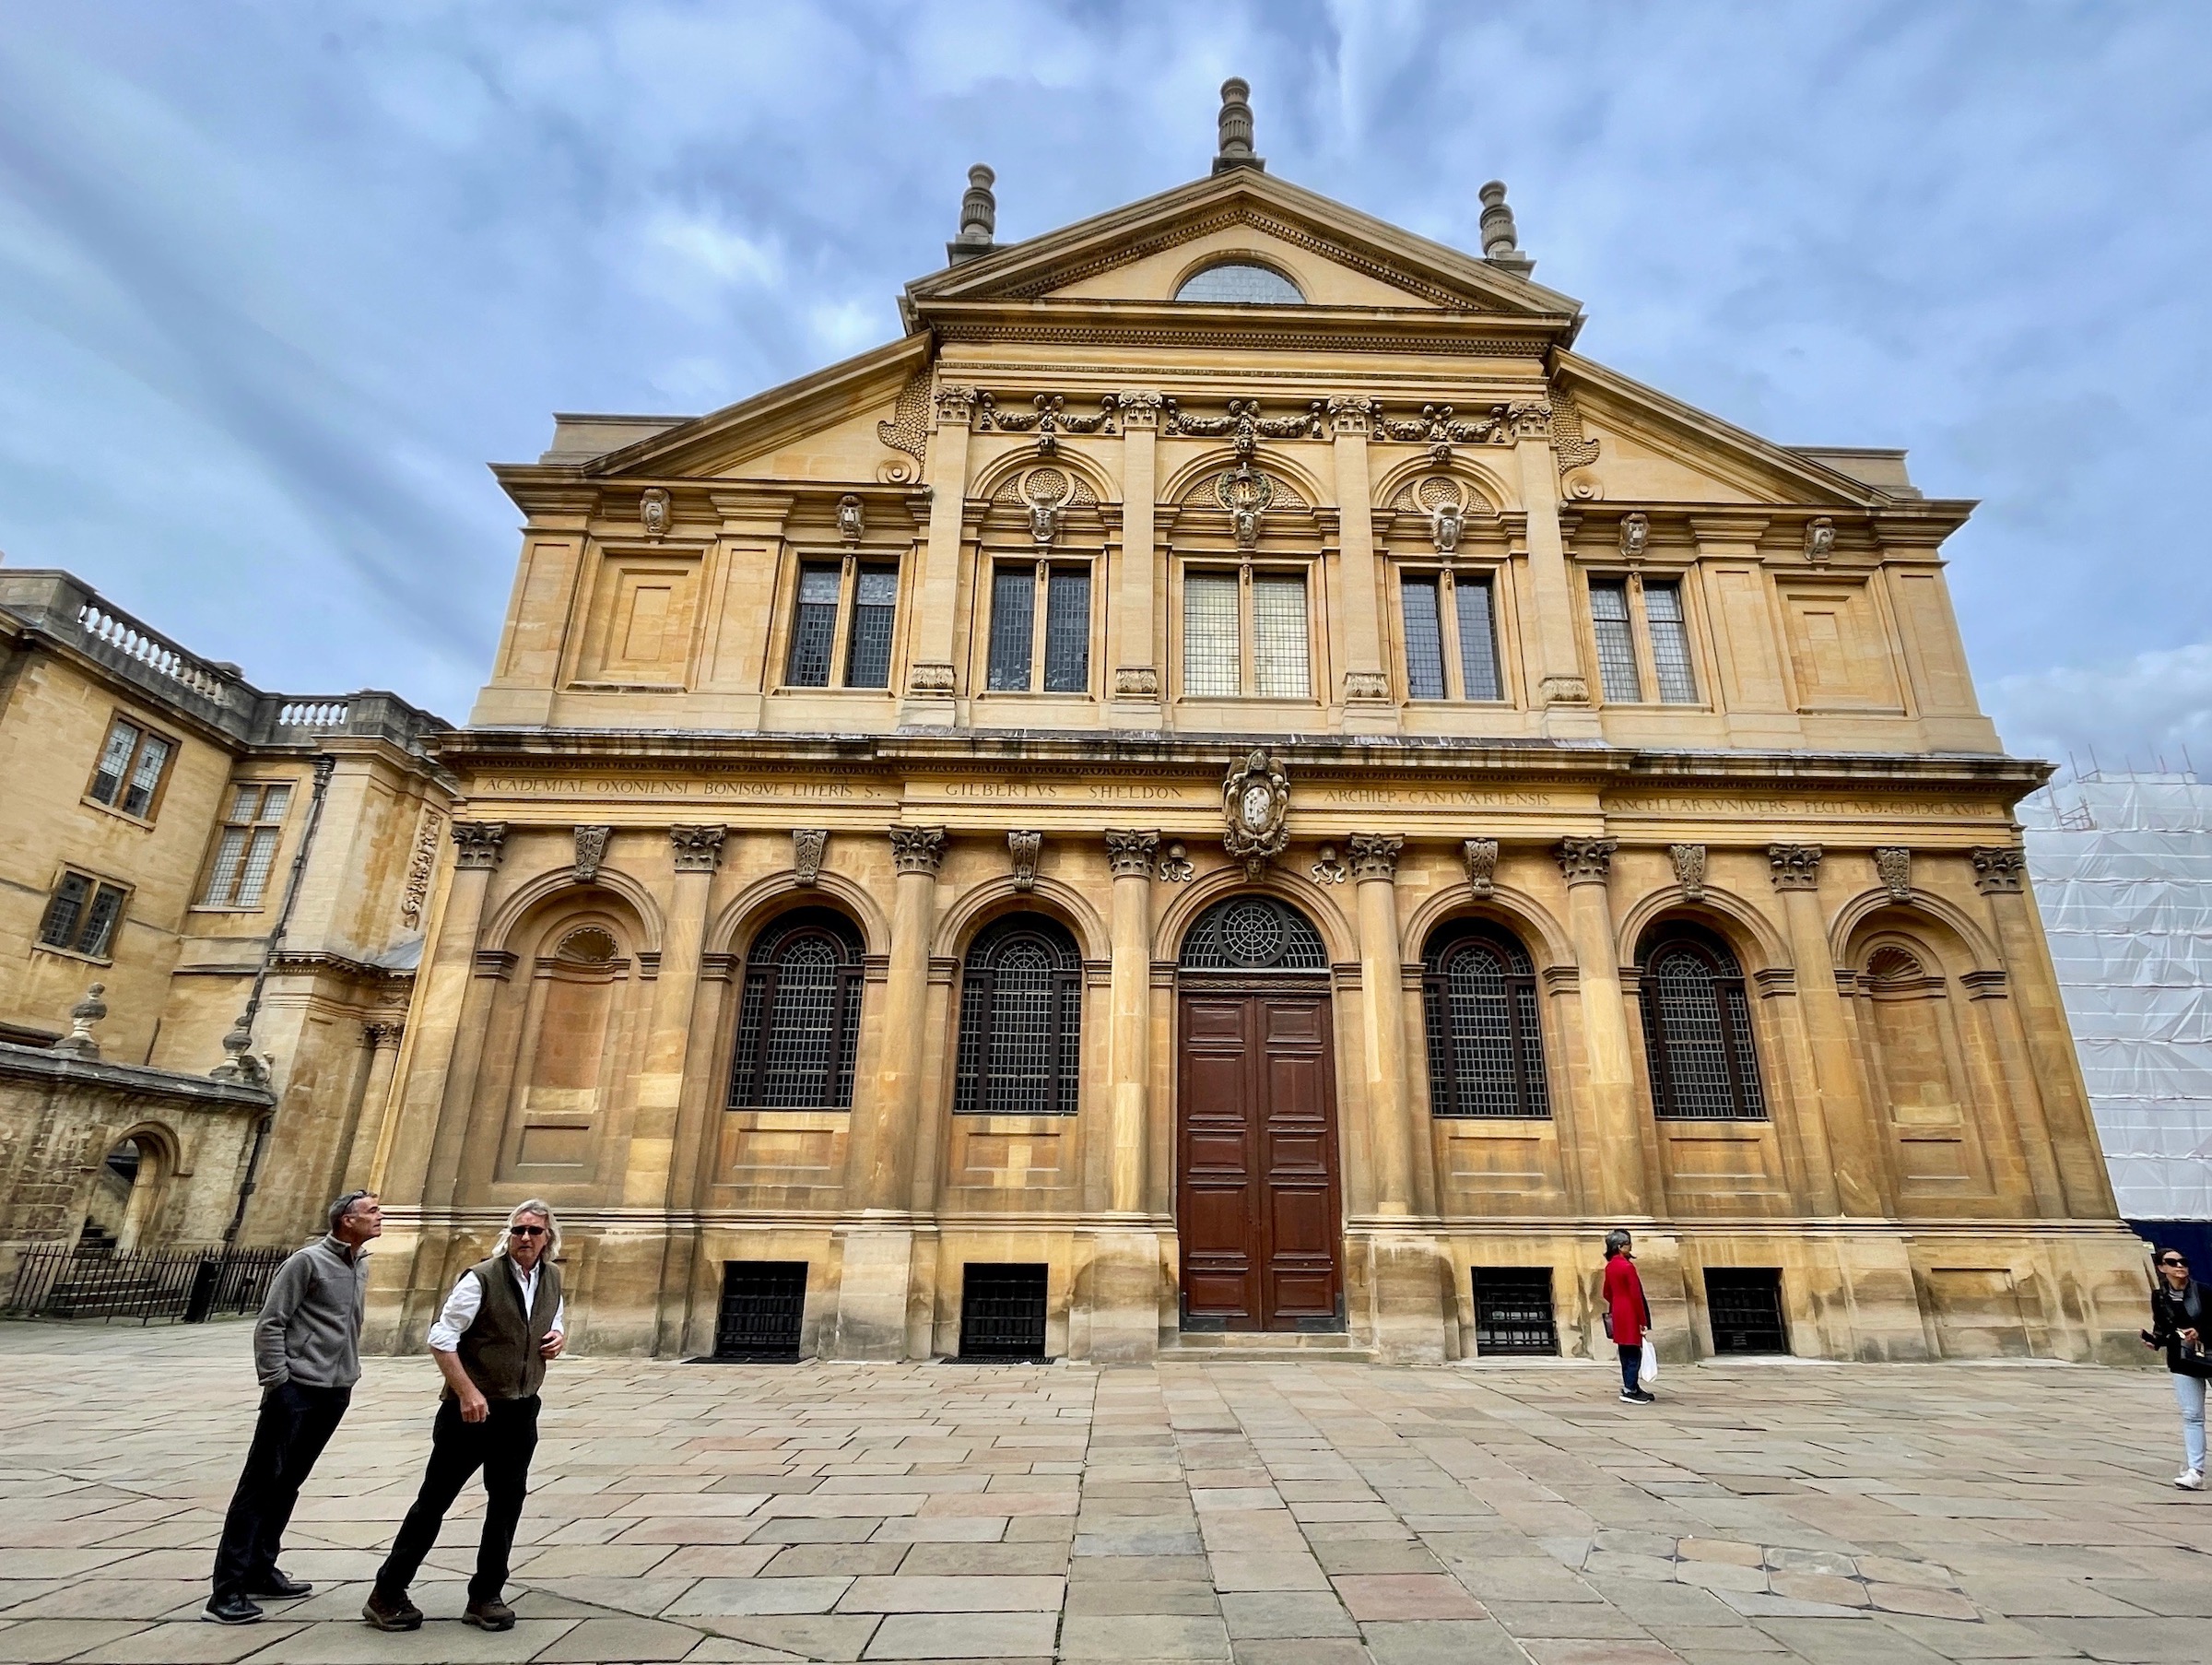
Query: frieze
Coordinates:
[1436,798]
[573,785]
[1800,807]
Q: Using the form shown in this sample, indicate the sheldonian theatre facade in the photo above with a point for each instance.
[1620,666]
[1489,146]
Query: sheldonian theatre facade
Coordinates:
[1230,781]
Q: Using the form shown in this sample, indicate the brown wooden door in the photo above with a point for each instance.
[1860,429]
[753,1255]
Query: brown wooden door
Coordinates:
[1256,1162]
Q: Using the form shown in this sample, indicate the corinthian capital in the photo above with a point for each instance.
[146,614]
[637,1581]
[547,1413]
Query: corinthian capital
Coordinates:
[1795,866]
[1131,855]
[2000,871]
[477,843]
[1586,860]
[918,849]
[698,849]
[1375,856]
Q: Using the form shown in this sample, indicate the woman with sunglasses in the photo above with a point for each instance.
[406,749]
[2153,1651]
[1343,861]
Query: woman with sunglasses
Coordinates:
[2180,1314]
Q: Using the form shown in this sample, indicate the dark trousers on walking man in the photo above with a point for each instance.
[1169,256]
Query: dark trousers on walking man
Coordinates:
[296,1423]
[501,1446]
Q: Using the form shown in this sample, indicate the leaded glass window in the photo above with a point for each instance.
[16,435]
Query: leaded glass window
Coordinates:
[130,769]
[1280,648]
[1424,638]
[1451,646]
[1477,639]
[1670,643]
[1022,1021]
[1616,643]
[798,1020]
[1013,624]
[239,877]
[1067,630]
[1211,656]
[814,627]
[1697,1030]
[81,915]
[1024,597]
[874,606]
[1486,1047]
[1245,283]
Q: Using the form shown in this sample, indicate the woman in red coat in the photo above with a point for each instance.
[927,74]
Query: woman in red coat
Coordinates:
[1628,1314]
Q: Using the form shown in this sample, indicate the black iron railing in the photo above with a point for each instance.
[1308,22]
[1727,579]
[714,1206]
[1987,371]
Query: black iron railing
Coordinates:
[98,1280]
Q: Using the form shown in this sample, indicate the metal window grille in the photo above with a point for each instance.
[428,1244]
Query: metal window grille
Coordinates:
[813,627]
[1670,643]
[874,606]
[1616,647]
[798,1020]
[1254,933]
[1210,656]
[1424,639]
[153,758]
[1013,626]
[1002,1311]
[1697,1028]
[1067,630]
[1021,1021]
[1745,1305]
[1513,1317]
[1486,1048]
[114,762]
[1477,639]
[1280,643]
[762,1311]
[63,910]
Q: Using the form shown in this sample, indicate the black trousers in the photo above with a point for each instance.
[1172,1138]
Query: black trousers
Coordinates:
[501,1445]
[296,1423]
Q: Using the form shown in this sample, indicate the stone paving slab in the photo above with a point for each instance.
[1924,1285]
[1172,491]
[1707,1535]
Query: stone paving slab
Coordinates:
[1308,1513]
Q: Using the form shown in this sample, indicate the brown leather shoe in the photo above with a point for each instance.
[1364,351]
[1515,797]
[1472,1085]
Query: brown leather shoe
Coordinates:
[392,1613]
[494,1614]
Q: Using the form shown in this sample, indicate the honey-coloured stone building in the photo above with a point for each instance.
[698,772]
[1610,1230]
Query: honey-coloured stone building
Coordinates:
[1229,784]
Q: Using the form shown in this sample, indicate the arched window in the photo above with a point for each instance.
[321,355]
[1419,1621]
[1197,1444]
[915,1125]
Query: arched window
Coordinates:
[1697,1029]
[1253,934]
[1022,1021]
[798,1025]
[1241,282]
[1478,997]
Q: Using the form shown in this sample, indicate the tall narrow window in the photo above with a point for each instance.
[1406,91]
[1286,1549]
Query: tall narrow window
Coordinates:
[1616,645]
[798,1022]
[1211,658]
[81,915]
[1486,1051]
[1670,643]
[1477,639]
[1697,1030]
[874,605]
[1021,1049]
[247,851]
[1067,630]
[1280,649]
[1012,625]
[814,627]
[1424,637]
[132,765]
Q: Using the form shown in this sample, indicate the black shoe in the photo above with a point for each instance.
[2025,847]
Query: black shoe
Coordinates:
[278,1588]
[494,1614]
[231,1610]
[392,1613]
[1646,1398]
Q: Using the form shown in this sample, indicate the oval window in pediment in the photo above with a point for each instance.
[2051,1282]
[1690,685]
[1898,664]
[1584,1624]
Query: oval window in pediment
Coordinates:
[1240,283]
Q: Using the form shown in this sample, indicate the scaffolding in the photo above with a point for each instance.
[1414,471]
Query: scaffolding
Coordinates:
[2121,864]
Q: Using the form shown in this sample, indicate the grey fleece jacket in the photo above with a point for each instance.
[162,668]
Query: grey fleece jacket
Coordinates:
[310,1328]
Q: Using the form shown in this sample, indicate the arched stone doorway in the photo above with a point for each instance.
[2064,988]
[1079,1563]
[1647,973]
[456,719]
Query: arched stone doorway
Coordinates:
[1258,1195]
[126,1202]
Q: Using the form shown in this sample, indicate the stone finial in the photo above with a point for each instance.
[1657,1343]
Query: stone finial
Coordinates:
[979,217]
[239,1063]
[1501,240]
[1235,129]
[80,1042]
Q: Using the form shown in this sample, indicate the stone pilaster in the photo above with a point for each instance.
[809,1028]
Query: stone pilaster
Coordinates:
[1562,691]
[1587,864]
[1131,627]
[1858,1178]
[931,682]
[1367,706]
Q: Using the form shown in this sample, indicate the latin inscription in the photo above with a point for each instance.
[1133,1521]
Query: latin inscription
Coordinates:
[565,785]
[1800,808]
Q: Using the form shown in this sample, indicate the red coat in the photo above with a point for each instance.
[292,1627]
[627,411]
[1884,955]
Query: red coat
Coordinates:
[1624,1299]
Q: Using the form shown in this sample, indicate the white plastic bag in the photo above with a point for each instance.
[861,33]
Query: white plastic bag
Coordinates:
[1648,1372]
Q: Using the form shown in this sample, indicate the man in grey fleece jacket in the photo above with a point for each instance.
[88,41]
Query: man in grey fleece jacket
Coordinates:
[306,1353]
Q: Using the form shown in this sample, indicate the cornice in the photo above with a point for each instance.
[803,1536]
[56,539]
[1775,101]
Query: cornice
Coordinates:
[1185,325]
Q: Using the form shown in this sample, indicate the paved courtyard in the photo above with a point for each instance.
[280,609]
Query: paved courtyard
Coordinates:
[1319,1513]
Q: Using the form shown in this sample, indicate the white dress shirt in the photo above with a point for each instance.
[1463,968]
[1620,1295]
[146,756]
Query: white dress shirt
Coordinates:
[461,1307]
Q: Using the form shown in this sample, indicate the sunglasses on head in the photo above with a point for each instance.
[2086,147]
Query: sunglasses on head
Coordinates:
[525,1230]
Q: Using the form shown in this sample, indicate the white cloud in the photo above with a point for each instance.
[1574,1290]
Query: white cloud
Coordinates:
[2154,704]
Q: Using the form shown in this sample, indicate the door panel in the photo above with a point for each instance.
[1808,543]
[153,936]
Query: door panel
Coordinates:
[1257,1191]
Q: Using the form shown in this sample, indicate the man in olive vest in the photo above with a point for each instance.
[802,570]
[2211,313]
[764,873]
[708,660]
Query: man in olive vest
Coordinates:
[502,1322]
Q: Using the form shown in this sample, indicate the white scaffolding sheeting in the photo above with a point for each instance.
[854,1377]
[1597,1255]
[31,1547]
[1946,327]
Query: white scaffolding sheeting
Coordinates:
[2122,872]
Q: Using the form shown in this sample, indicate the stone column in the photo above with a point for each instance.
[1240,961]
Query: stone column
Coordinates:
[1563,692]
[365,1151]
[1861,1181]
[697,852]
[1622,1191]
[1368,706]
[878,1247]
[1121,1289]
[1374,862]
[2058,1112]
[930,678]
[1134,624]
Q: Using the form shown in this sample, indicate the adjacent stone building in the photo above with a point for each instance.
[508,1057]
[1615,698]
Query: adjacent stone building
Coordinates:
[1230,781]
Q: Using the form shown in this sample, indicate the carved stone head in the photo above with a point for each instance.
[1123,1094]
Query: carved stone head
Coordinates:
[851,518]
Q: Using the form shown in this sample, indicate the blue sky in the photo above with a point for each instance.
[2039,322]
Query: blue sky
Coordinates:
[278,279]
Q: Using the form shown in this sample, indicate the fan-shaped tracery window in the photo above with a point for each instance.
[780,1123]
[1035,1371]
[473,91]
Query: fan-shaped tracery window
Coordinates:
[1697,1029]
[1253,934]
[1241,282]
[1022,1021]
[1485,1050]
[798,1023]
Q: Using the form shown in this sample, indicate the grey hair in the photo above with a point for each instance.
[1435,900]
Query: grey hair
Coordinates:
[343,1206]
[1617,1242]
[544,1210]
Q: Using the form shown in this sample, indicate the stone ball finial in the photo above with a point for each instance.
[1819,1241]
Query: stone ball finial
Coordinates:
[1235,148]
[979,216]
[79,1042]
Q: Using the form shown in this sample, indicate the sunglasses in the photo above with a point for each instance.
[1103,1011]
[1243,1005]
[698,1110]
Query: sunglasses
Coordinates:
[2172,1262]
[525,1230]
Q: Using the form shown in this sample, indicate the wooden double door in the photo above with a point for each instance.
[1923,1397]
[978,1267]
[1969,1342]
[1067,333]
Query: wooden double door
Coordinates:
[1257,1193]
